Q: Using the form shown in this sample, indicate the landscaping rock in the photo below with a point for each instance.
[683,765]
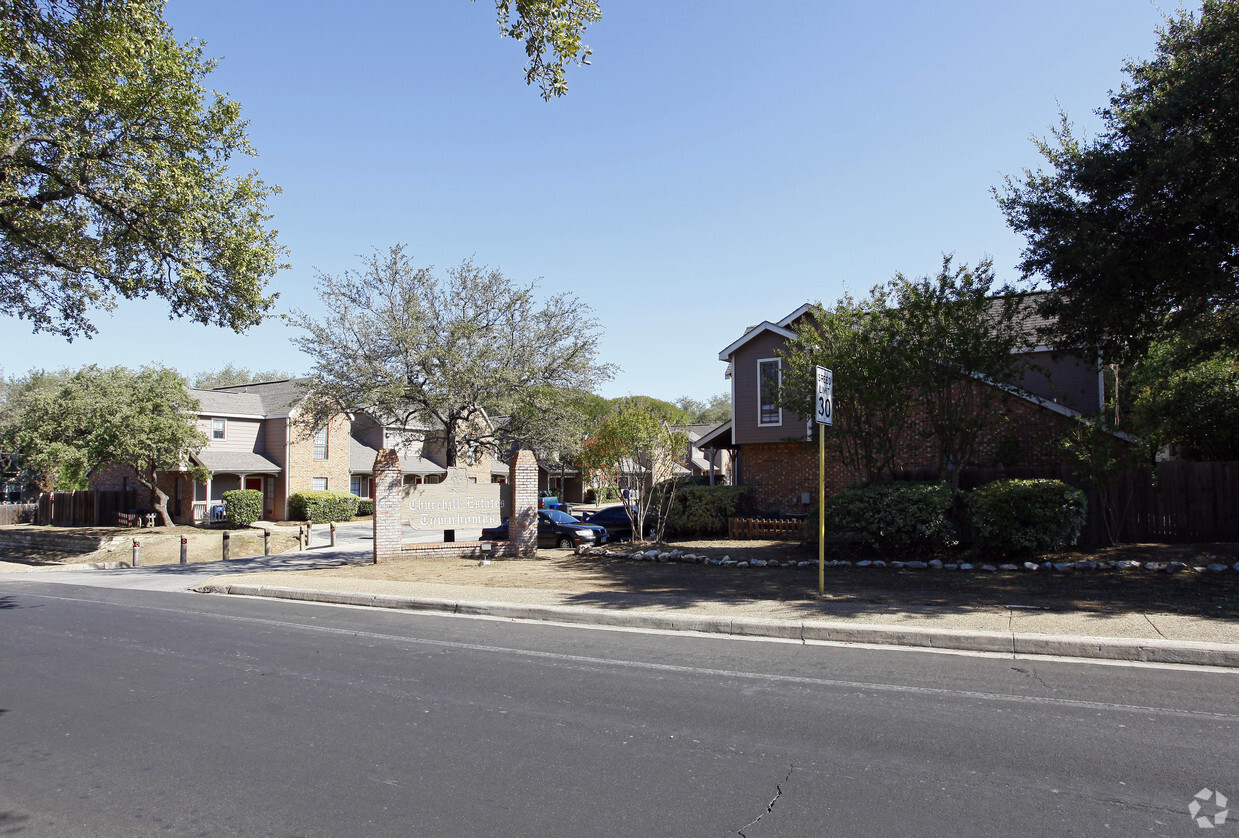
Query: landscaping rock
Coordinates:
[864,563]
[967,566]
[1127,564]
[1032,566]
[989,568]
[950,566]
[915,565]
[897,565]
[936,564]
[1063,567]
[879,563]
[1217,567]
[1086,565]
[1175,567]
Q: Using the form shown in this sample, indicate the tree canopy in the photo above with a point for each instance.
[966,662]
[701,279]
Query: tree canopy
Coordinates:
[82,420]
[551,31]
[114,172]
[712,411]
[924,342]
[231,375]
[442,355]
[1136,232]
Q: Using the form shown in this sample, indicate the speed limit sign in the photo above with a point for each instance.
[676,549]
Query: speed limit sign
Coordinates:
[824,402]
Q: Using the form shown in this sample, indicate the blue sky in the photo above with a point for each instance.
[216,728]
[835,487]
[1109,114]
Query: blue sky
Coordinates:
[719,164]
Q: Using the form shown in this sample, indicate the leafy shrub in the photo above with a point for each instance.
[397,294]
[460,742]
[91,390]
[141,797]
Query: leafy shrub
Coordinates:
[603,495]
[365,506]
[1019,516]
[242,507]
[704,510]
[889,516]
[321,507]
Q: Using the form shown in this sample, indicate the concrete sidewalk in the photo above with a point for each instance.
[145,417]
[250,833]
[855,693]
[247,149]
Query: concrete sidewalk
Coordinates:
[1004,629]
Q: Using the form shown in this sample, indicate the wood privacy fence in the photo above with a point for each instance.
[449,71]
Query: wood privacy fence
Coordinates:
[87,508]
[1178,502]
[16,513]
[772,528]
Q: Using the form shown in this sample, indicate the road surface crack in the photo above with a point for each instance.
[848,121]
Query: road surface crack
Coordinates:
[778,792]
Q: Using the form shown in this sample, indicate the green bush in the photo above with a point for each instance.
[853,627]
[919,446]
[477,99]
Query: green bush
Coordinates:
[365,506]
[704,510]
[1021,516]
[903,516]
[321,507]
[603,495]
[242,507]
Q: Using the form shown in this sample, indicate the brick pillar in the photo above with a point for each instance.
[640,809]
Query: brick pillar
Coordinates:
[523,523]
[388,497]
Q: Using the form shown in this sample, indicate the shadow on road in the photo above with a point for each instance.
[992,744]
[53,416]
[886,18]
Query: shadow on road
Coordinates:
[852,591]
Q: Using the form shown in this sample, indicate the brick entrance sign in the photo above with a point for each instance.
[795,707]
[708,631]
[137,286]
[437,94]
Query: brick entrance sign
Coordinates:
[450,507]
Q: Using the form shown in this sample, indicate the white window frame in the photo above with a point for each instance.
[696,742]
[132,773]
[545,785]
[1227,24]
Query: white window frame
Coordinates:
[314,481]
[219,429]
[778,383]
[323,445]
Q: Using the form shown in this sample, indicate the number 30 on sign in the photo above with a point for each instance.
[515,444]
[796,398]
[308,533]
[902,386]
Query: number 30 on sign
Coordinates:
[825,397]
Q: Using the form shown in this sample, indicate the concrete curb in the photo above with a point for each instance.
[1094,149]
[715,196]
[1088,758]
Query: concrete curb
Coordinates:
[1072,646]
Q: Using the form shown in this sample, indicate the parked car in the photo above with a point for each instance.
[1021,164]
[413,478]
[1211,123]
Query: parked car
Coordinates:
[555,529]
[617,523]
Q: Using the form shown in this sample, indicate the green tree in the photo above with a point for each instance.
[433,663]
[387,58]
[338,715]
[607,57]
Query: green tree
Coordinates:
[1187,403]
[114,175]
[635,451]
[551,31]
[140,420]
[34,426]
[935,343]
[713,411]
[71,422]
[957,329]
[231,375]
[872,409]
[434,355]
[1136,231]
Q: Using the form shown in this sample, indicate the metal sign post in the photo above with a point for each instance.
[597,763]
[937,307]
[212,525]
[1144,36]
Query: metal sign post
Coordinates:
[823,415]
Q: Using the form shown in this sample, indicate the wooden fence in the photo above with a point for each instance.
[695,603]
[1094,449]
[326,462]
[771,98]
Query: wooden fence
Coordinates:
[16,513]
[86,508]
[787,529]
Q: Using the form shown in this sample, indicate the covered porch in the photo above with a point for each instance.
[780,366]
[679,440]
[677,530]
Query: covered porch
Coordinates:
[228,471]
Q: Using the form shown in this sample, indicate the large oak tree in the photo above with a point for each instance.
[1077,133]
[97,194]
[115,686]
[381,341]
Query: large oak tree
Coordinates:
[1136,231]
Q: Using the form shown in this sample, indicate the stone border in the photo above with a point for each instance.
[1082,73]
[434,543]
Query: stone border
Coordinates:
[932,564]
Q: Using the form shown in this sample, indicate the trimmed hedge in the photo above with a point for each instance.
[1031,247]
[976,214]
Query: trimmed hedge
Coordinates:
[242,507]
[704,510]
[365,506]
[321,507]
[889,516]
[1021,516]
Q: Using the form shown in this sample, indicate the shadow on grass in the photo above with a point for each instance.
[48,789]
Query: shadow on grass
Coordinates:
[854,592]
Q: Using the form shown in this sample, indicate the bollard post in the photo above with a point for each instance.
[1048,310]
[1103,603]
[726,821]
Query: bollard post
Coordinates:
[309,533]
[266,542]
[227,538]
[333,533]
[137,552]
[301,538]
[184,549]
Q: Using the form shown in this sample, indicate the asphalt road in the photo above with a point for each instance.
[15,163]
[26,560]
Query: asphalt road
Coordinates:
[145,712]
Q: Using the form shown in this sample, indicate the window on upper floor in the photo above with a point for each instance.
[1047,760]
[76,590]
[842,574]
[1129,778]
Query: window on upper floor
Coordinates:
[320,443]
[768,379]
[219,428]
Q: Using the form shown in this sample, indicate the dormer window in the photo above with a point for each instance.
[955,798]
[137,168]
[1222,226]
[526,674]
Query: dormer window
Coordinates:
[219,428]
[768,379]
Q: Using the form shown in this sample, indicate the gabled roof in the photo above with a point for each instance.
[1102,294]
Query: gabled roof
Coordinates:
[720,437]
[759,329]
[238,462]
[277,398]
[238,405]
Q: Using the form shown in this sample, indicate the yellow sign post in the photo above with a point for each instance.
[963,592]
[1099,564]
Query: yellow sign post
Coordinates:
[823,414]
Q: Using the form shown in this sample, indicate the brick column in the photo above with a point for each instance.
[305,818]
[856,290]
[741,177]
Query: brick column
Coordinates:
[388,494]
[523,523]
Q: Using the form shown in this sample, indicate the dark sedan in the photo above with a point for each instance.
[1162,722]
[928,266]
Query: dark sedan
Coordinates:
[555,529]
[616,522]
